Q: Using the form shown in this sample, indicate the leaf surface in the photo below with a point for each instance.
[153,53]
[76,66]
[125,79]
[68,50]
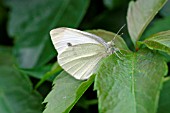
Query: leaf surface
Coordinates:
[159,41]
[164,102]
[66,92]
[140,14]
[131,85]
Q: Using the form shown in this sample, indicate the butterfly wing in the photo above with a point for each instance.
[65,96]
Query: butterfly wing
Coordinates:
[62,37]
[80,60]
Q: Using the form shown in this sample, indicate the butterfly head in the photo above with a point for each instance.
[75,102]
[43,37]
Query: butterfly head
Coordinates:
[111,47]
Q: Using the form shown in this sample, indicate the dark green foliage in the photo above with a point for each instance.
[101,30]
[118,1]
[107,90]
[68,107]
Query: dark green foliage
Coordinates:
[16,92]
[136,83]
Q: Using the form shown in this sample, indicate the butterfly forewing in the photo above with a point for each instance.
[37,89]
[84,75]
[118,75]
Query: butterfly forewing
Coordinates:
[61,37]
[81,60]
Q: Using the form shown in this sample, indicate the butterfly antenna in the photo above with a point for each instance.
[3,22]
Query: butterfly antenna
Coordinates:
[119,31]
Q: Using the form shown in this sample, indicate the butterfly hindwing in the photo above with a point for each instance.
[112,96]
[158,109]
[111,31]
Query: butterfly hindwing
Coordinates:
[80,60]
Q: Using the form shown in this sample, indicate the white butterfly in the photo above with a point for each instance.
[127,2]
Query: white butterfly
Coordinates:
[79,52]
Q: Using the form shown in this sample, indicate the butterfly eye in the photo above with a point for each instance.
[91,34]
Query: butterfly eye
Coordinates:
[69,44]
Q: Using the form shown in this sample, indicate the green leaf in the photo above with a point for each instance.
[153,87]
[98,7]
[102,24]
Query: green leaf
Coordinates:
[131,85]
[158,26]
[108,36]
[44,73]
[159,41]
[16,93]
[3,13]
[165,55]
[66,92]
[5,53]
[140,14]
[36,72]
[166,10]
[86,103]
[55,70]
[112,4]
[31,21]
[164,102]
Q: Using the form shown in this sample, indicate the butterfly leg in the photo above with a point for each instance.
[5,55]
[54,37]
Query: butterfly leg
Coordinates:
[118,55]
[118,50]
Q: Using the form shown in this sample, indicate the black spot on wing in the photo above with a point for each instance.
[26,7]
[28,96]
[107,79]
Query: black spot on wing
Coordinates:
[69,44]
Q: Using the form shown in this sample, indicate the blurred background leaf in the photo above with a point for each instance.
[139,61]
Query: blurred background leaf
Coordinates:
[166,9]
[36,72]
[30,23]
[16,92]
[158,25]
[113,4]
